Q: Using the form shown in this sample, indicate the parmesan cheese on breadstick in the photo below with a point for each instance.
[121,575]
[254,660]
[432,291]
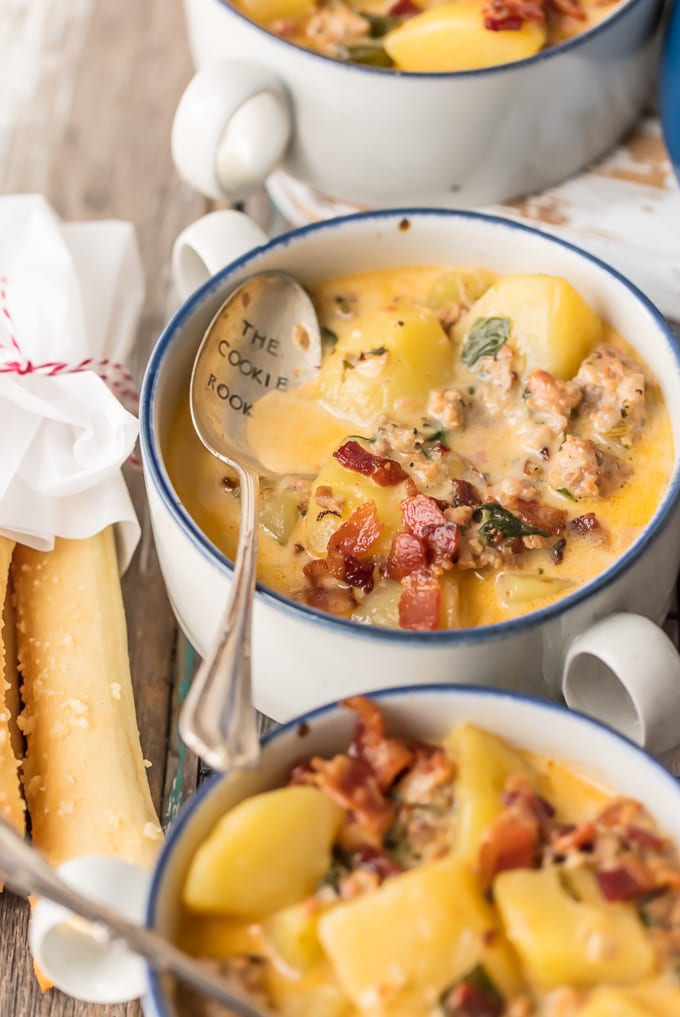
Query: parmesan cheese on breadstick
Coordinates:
[11,802]
[8,637]
[84,773]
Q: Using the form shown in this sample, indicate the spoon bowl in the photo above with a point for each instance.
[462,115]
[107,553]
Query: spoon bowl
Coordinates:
[264,338]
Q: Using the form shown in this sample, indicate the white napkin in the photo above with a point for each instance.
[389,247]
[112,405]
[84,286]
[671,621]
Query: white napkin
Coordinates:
[70,297]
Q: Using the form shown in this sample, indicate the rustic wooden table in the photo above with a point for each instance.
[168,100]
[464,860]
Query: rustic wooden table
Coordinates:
[87,93]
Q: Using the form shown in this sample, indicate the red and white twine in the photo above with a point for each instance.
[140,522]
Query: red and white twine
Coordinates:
[116,375]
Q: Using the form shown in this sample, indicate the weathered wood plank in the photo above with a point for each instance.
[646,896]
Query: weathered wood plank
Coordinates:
[87,93]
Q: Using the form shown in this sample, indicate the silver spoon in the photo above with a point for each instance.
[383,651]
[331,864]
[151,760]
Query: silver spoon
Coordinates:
[265,337]
[25,871]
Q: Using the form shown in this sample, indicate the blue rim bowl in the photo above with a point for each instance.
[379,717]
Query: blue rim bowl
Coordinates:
[157,473]
[520,714]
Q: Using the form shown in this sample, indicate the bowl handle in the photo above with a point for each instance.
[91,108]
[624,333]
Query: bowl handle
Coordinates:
[210,243]
[231,128]
[625,671]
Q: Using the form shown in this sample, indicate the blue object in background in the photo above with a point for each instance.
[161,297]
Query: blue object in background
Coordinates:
[669,93]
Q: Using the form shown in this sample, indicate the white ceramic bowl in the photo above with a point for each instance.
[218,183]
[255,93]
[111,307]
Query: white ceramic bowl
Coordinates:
[424,713]
[622,669]
[386,138]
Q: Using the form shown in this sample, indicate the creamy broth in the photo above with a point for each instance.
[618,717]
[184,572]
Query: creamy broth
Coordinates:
[427,35]
[482,881]
[504,426]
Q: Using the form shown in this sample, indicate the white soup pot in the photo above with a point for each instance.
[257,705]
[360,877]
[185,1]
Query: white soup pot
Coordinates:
[377,137]
[599,647]
[97,971]
[427,714]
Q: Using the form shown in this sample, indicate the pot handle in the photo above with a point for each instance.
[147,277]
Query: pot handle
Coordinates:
[231,128]
[210,243]
[625,671]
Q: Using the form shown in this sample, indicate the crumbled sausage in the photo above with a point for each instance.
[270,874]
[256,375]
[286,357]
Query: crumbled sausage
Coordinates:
[335,25]
[585,469]
[447,406]
[551,400]
[499,375]
[614,394]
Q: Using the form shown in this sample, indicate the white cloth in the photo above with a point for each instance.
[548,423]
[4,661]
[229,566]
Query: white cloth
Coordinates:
[68,294]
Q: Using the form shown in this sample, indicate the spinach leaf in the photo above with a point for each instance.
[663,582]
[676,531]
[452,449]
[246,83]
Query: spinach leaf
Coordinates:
[381,24]
[485,339]
[372,55]
[377,351]
[566,493]
[497,520]
[437,436]
[474,993]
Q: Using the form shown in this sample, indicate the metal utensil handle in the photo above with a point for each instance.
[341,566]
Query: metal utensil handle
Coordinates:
[25,871]
[218,720]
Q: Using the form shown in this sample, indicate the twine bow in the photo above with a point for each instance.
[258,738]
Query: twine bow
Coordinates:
[116,375]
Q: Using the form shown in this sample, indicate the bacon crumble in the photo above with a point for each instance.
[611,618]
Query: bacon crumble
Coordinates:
[510,15]
[420,602]
[385,472]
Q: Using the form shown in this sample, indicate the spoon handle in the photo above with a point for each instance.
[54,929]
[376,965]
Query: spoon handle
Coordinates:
[218,720]
[25,871]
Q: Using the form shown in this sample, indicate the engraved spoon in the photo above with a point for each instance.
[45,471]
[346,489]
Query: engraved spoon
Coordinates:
[26,872]
[264,337]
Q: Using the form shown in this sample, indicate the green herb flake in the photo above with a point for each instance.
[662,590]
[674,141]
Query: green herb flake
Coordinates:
[437,436]
[328,336]
[369,54]
[380,24]
[499,521]
[485,992]
[377,351]
[648,916]
[485,339]
[566,493]
[566,884]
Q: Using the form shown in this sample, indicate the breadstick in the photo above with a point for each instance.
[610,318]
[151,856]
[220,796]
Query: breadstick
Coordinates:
[12,696]
[11,802]
[84,774]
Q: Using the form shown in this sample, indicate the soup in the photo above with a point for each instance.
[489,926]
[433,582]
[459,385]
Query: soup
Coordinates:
[469,879]
[426,35]
[473,449]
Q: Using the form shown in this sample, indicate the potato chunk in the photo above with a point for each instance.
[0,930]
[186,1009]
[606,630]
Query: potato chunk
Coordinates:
[485,763]
[381,607]
[406,942]
[216,935]
[266,853]
[523,587]
[653,999]
[272,10]
[353,489]
[292,935]
[387,364]
[564,941]
[460,286]
[318,996]
[551,325]
[453,37]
